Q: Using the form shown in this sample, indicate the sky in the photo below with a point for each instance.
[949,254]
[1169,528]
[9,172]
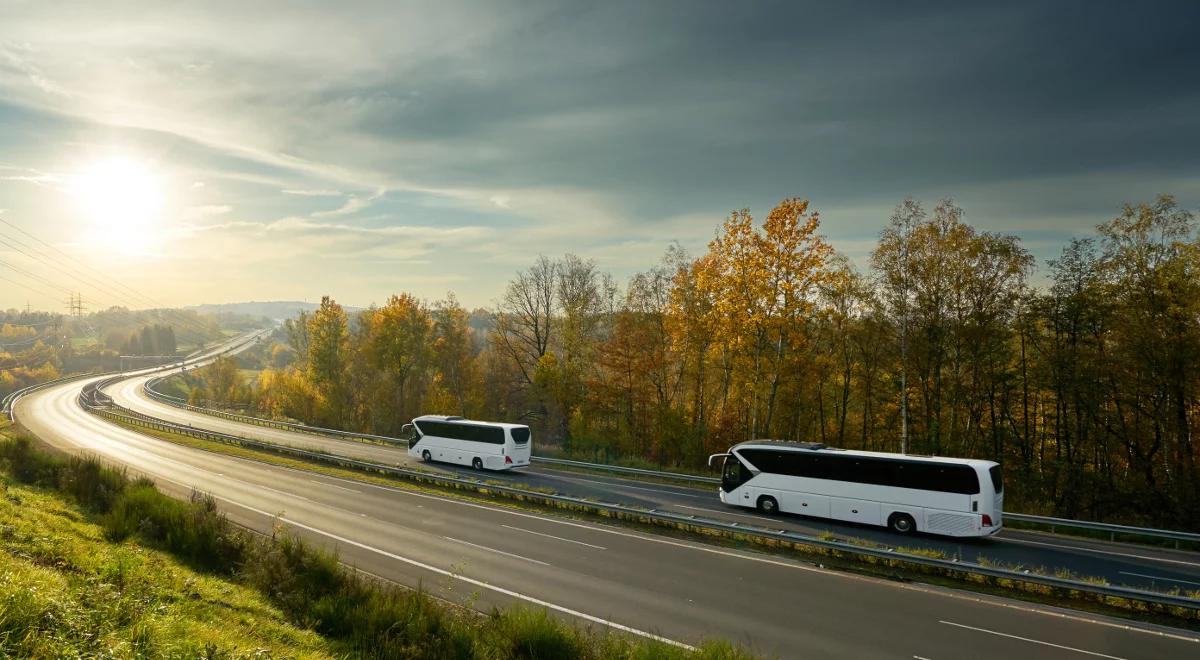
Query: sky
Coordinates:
[230,151]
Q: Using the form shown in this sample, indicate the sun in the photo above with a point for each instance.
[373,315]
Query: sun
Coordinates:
[120,194]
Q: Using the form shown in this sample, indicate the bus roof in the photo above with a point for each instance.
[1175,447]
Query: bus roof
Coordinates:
[817,447]
[462,420]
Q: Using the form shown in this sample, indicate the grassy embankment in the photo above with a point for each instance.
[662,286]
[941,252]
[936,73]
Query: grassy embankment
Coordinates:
[96,564]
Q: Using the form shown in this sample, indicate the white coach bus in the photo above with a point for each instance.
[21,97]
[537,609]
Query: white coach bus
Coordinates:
[948,496]
[482,445]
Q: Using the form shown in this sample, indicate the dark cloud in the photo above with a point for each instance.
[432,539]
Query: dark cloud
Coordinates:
[670,103]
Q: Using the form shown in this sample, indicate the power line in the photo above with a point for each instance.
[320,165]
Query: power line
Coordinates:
[31,288]
[24,342]
[87,280]
[95,272]
[51,264]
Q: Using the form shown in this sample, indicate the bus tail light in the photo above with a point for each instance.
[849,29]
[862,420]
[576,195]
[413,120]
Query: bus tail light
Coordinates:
[508,461]
[987,520]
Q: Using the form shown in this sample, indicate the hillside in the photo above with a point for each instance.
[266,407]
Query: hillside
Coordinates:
[65,591]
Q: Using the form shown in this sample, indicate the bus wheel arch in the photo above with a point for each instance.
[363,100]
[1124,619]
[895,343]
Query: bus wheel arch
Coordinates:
[425,456]
[902,523]
[768,505]
[477,463]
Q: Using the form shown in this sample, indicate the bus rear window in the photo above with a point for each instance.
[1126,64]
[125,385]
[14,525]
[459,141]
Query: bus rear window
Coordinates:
[997,479]
[520,436]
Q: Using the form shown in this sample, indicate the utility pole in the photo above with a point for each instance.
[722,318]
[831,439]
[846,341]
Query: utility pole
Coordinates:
[75,305]
[904,245]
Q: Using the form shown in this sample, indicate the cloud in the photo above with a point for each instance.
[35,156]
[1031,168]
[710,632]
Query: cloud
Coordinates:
[313,193]
[648,124]
[206,210]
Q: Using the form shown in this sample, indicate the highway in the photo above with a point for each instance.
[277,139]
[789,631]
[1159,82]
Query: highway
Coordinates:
[681,591]
[1143,567]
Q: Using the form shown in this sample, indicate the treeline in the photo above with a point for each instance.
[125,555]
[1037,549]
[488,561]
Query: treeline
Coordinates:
[29,349]
[1085,388]
[151,340]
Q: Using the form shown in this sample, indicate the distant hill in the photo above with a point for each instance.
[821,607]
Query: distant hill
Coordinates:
[275,309]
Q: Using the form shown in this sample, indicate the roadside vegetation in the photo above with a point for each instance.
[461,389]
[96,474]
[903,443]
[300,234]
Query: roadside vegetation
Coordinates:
[1086,388]
[98,564]
[38,346]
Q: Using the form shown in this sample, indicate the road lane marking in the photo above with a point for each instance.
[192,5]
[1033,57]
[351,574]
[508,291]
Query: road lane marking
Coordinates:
[273,490]
[1158,577]
[325,483]
[1103,552]
[551,536]
[455,576]
[724,513]
[499,552]
[614,485]
[1032,641]
[919,657]
[109,428]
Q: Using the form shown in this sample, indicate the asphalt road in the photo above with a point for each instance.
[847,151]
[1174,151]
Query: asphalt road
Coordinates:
[681,591]
[1144,567]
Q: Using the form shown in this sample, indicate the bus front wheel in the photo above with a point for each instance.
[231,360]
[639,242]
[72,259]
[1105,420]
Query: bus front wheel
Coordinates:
[902,523]
[768,505]
[477,463]
[426,457]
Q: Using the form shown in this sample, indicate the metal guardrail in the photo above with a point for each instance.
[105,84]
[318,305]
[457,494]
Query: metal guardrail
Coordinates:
[1053,523]
[604,467]
[1112,529]
[148,388]
[6,405]
[119,413]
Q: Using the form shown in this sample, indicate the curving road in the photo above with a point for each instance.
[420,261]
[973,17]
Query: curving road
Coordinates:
[1143,567]
[681,591]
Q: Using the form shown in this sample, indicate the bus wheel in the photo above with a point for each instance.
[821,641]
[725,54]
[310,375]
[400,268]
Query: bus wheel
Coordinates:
[902,523]
[426,457]
[477,463]
[768,505]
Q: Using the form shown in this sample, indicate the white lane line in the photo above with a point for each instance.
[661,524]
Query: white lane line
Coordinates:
[609,530]
[1159,577]
[274,490]
[1103,552]
[551,536]
[499,552]
[455,576]
[614,485]
[1032,641]
[325,483]
[719,511]
[919,657]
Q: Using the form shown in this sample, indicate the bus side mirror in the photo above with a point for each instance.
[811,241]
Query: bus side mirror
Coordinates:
[713,456]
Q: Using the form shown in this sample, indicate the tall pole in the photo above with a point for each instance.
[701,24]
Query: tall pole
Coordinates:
[904,333]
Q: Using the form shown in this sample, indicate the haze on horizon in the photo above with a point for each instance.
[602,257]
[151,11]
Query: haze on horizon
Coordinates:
[253,151]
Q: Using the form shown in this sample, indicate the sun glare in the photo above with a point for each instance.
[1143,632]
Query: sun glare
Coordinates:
[122,197]
[119,193]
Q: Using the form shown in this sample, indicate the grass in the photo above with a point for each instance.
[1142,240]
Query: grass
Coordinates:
[122,570]
[66,590]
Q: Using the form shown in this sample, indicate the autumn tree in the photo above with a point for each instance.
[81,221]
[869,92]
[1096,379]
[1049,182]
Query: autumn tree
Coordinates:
[328,334]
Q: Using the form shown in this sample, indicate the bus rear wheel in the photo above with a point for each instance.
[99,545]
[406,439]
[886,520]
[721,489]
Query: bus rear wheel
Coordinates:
[426,457]
[902,523]
[477,463]
[768,505]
